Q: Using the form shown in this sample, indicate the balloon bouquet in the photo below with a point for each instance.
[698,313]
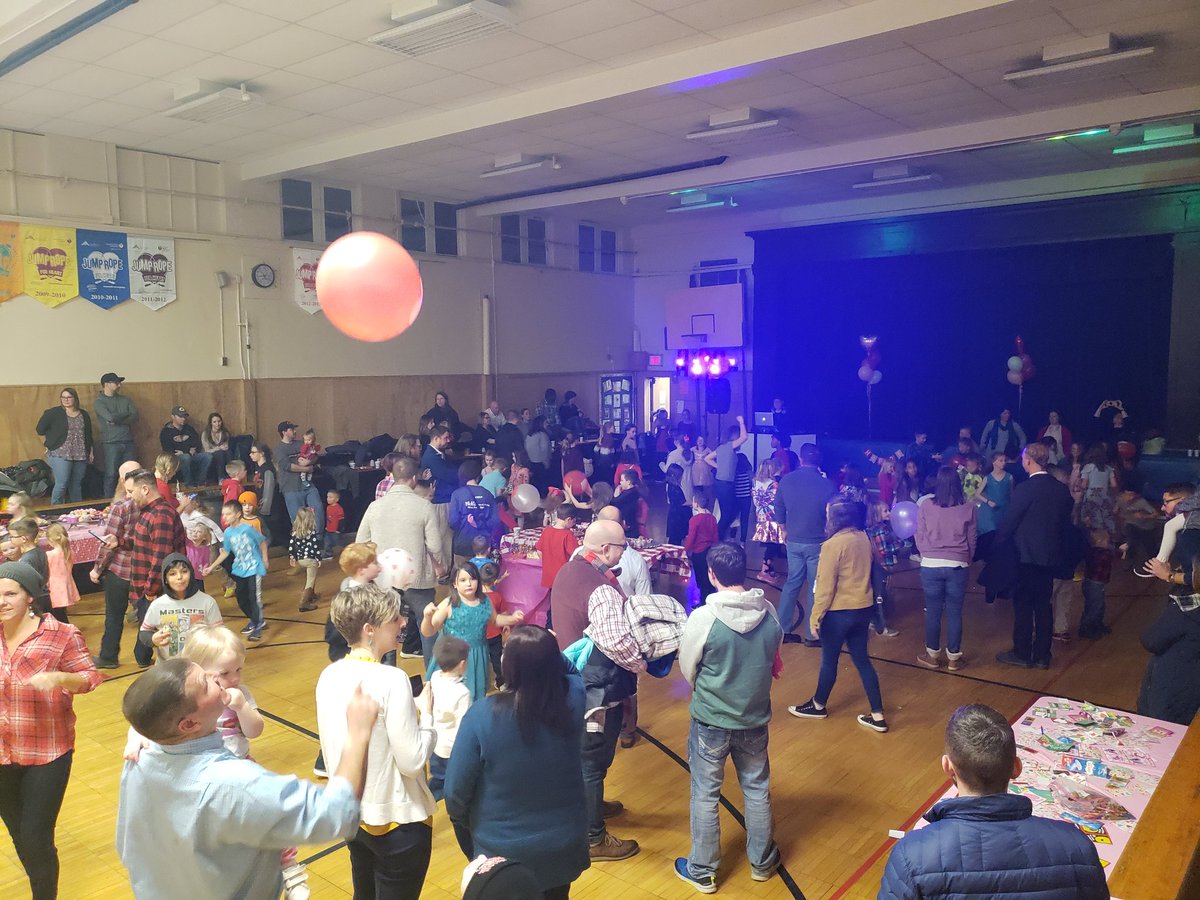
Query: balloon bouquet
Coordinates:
[868,371]
[1020,370]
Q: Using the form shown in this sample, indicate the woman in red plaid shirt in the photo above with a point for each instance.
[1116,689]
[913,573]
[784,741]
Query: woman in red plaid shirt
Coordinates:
[43,662]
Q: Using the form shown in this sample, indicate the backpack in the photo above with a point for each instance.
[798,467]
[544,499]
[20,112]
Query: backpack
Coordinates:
[33,476]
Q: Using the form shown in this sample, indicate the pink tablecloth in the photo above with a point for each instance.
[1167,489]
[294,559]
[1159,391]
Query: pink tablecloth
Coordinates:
[522,588]
[1074,771]
[670,559]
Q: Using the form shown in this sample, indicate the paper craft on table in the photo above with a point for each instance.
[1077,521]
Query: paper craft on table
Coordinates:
[1087,803]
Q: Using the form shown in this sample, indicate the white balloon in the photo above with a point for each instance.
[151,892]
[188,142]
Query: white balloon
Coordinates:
[876,377]
[397,569]
[525,498]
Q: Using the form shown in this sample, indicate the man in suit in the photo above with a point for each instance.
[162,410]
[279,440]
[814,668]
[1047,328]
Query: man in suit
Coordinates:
[1036,522]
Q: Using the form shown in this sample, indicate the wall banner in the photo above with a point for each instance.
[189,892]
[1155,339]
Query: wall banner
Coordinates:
[49,260]
[103,267]
[11,282]
[151,270]
[304,279]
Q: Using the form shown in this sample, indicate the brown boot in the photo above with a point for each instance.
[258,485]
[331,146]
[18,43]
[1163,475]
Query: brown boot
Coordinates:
[308,601]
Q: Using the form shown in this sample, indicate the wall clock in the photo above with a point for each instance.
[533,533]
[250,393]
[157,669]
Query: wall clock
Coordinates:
[263,275]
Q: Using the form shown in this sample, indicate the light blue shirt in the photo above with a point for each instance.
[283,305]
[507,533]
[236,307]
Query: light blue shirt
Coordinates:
[494,481]
[244,541]
[195,821]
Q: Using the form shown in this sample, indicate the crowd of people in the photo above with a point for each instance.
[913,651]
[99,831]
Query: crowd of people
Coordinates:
[502,697]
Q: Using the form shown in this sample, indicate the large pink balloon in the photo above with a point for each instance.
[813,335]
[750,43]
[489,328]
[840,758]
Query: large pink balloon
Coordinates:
[904,519]
[1016,378]
[368,286]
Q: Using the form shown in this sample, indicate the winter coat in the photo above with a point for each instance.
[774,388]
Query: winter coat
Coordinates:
[1171,685]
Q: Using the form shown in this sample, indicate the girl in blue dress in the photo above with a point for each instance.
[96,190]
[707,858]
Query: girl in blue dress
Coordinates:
[992,499]
[466,613]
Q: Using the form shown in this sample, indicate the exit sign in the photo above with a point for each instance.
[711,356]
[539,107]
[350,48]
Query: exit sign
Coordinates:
[655,359]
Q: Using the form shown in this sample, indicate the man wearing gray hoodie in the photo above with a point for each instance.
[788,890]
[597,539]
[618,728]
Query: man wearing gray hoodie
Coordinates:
[728,654]
[116,415]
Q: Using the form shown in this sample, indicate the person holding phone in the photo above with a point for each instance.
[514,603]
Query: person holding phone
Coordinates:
[389,854]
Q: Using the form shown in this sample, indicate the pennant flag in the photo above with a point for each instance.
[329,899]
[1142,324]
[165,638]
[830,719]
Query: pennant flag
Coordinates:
[304,279]
[10,261]
[48,256]
[103,267]
[151,270]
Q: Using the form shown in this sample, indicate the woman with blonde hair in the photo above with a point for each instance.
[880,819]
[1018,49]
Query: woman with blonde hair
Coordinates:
[166,467]
[61,584]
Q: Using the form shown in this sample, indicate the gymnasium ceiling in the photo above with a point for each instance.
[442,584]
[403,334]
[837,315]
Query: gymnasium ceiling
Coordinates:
[610,88]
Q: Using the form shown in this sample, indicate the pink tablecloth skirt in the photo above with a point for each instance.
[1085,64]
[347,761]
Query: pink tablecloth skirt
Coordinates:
[522,588]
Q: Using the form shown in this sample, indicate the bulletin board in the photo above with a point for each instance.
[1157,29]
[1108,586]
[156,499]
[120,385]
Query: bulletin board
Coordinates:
[617,403]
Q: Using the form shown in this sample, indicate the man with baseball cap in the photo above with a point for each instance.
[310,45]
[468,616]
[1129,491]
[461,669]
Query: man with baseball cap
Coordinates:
[297,493]
[116,415]
[179,437]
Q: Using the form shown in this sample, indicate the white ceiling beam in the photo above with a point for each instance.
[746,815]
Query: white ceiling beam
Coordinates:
[839,27]
[991,132]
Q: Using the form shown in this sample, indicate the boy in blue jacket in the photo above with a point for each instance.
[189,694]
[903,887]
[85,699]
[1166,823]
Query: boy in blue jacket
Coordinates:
[727,654]
[986,841]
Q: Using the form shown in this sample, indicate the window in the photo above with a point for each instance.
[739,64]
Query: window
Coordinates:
[726,272]
[445,229]
[523,240]
[297,210]
[418,234]
[300,219]
[597,249]
[412,225]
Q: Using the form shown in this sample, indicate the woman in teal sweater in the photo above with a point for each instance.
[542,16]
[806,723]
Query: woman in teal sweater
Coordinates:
[530,731]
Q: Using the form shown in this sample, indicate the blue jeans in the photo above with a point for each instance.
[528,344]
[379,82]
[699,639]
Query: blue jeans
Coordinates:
[802,566]
[849,627]
[68,478]
[708,748]
[115,453]
[599,747]
[1092,621]
[726,492]
[306,496]
[193,467]
[944,589]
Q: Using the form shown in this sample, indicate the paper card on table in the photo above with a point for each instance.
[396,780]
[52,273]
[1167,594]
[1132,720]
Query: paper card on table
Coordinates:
[1159,731]
[1123,753]
[1081,765]
[1086,802]
[1058,745]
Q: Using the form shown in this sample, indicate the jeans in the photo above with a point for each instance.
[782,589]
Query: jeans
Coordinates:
[193,467]
[68,478]
[390,866]
[599,747]
[247,589]
[744,508]
[726,492]
[1032,613]
[708,748]
[1092,622]
[116,601]
[219,460]
[699,563]
[495,647]
[30,798]
[944,589]
[802,567]
[307,496]
[882,590]
[143,654]
[849,627]
[437,776]
[115,453]
[416,599]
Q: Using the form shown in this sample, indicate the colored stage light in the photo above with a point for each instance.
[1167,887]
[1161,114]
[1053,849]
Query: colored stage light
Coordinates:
[715,368]
[697,369]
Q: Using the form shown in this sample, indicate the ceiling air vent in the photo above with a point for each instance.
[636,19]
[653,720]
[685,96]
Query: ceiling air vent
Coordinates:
[204,101]
[442,29]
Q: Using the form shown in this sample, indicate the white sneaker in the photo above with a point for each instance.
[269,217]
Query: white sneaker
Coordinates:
[295,882]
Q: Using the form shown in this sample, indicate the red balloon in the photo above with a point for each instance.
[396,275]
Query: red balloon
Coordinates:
[368,286]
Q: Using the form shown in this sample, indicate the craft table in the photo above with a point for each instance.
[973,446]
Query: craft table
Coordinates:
[1090,766]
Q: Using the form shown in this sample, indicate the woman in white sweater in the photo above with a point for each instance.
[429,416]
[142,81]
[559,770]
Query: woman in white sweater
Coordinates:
[389,855]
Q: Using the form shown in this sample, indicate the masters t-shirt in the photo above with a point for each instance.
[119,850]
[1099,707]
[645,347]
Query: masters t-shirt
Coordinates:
[179,616]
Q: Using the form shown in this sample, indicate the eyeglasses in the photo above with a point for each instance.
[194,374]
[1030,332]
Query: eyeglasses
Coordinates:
[622,545]
[1167,500]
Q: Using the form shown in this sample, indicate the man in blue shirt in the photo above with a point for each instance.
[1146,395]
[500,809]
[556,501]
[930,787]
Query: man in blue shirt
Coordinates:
[195,821]
[444,473]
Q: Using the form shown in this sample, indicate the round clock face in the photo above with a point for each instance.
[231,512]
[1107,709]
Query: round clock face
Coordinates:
[263,275]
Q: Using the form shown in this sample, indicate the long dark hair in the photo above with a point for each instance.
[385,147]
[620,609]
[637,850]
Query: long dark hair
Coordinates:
[535,682]
[949,490]
[473,571]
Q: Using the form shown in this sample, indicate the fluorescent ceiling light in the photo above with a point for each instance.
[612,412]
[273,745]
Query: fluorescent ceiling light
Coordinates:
[1074,134]
[887,176]
[1161,137]
[204,101]
[1082,64]
[451,27]
[698,200]
[734,122]
[519,163]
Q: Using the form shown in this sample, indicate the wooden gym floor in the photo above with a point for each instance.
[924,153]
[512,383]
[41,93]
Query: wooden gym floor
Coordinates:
[837,788]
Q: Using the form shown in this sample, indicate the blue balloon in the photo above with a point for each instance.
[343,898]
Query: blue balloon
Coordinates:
[904,519]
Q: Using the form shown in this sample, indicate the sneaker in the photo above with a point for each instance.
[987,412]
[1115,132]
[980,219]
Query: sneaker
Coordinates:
[930,659]
[808,710]
[1063,637]
[792,638]
[628,740]
[230,591]
[889,632]
[610,809]
[247,629]
[866,720]
[104,663]
[611,848]
[756,875]
[705,885]
[406,655]
[319,772]
[295,882]
[812,642]
[954,661]
[255,635]
[1009,658]
[131,615]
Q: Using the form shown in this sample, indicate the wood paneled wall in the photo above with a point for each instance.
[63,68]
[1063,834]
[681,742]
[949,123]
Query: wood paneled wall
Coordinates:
[339,409]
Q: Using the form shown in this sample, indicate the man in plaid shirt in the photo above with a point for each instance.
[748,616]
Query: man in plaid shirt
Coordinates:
[157,534]
[112,569]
